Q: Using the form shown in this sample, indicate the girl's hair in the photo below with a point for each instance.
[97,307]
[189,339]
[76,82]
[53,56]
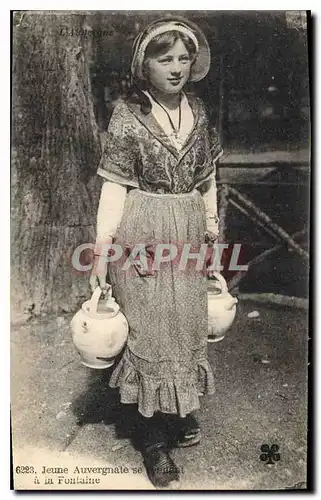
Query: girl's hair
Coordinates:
[162,43]
[158,46]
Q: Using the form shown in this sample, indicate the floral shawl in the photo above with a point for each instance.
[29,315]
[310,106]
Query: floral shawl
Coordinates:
[139,154]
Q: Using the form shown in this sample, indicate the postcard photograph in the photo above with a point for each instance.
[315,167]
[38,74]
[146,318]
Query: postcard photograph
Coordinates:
[160,261]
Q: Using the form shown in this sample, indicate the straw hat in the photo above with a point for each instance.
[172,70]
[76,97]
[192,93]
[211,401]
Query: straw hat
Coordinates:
[202,61]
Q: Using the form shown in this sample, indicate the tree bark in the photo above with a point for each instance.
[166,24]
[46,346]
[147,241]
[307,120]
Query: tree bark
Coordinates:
[55,153]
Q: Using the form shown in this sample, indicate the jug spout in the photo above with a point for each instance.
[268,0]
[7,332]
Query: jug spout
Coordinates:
[231,303]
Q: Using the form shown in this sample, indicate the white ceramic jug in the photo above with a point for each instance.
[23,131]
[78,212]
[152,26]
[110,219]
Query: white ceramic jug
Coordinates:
[221,308]
[99,330]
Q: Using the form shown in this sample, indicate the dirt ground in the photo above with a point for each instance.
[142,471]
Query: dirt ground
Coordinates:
[64,414]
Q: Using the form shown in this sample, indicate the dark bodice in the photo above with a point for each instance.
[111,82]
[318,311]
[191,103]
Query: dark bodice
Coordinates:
[139,154]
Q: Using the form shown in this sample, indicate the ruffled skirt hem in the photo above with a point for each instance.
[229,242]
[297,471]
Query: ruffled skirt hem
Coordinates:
[170,387]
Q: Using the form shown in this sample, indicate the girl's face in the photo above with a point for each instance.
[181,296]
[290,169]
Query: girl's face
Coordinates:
[170,71]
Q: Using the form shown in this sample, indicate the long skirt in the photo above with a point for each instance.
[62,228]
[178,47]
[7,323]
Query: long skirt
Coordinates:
[164,366]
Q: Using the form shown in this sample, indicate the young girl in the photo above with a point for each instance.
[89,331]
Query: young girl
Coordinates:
[159,172]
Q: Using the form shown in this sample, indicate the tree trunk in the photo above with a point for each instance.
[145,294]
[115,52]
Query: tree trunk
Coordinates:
[56,150]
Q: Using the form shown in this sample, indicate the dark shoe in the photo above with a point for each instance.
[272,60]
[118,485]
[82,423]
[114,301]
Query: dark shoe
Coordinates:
[187,438]
[186,432]
[161,468]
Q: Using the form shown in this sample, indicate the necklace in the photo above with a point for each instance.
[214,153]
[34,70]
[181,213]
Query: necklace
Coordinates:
[175,130]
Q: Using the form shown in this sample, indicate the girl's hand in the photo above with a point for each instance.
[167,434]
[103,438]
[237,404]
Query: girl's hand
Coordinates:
[98,274]
[209,263]
[210,239]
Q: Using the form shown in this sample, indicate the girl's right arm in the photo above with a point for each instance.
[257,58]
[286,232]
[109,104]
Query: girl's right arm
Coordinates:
[110,211]
[117,168]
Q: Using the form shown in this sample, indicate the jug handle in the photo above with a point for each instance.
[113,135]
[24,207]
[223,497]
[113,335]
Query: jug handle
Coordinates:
[222,281]
[96,296]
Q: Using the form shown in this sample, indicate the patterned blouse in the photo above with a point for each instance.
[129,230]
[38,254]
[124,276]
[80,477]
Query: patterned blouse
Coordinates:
[139,154]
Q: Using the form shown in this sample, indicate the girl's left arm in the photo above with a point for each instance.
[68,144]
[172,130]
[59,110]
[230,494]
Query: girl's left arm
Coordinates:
[211,208]
[208,188]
